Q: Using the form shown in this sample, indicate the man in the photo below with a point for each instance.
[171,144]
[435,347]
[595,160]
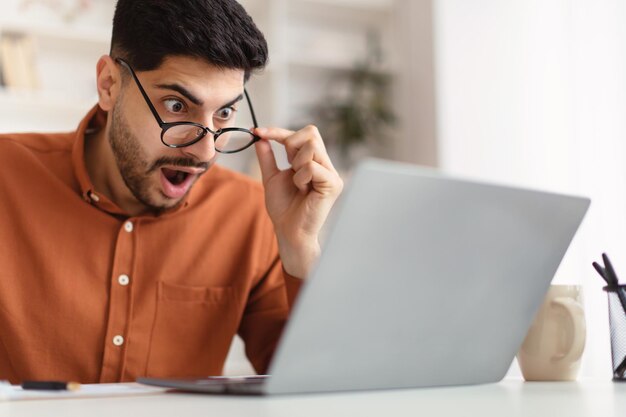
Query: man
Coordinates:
[125,251]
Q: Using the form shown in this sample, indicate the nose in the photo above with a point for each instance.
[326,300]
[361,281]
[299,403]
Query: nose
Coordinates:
[204,149]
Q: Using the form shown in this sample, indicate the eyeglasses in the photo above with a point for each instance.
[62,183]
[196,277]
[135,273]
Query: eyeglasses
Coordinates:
[182,134]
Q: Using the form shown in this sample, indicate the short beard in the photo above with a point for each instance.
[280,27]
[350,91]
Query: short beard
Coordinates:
[131,161]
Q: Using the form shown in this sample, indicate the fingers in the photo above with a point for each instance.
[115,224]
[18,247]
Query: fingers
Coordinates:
[266,158]
[315,176]
[307,155]
[302,146]
[304,155]
[275,133]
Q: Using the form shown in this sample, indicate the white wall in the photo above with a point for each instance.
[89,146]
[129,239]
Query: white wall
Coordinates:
[531,93]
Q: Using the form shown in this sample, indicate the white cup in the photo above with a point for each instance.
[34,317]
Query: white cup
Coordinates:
[555,343]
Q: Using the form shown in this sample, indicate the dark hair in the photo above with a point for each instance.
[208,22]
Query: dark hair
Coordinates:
[219,31]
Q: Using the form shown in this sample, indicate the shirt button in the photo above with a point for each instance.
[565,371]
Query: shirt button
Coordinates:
[118,340]
[123,279]
[128,226]
[94,197]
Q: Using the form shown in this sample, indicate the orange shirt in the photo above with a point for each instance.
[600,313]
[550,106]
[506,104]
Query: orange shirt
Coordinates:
[89,294]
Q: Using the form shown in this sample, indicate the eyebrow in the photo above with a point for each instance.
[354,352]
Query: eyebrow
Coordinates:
[195,100]
[233,101]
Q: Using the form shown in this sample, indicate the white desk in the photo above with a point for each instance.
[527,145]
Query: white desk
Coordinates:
[508,398]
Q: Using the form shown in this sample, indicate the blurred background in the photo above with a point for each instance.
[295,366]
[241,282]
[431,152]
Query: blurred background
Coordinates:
[523,92]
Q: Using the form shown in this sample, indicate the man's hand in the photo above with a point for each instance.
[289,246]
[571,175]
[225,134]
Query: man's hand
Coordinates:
[299,199]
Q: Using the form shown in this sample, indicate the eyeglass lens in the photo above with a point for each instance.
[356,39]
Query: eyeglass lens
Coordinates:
[227,141]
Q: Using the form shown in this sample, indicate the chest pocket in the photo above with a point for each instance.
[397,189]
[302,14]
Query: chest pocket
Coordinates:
[192,330]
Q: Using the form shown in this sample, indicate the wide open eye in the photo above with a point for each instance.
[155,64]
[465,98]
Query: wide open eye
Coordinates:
[225,114]
[174,106]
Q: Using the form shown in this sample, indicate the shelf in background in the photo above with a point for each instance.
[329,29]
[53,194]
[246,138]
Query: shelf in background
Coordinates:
[307,63]
[257,6]
[348,13]
[338,68]
[67,33]
[38,112]
[53,100]
[354,5]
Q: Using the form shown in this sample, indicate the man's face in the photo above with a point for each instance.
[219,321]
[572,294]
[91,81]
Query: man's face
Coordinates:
[181,89]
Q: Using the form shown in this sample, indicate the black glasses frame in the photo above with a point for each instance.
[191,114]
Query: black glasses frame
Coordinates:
[165,126]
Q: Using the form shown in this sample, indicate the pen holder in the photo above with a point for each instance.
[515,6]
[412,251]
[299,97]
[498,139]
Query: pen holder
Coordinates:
[617,323]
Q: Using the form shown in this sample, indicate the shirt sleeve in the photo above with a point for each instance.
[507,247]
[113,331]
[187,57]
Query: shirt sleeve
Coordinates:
[266,313]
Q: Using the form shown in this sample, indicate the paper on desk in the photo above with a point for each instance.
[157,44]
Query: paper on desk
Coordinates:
[16,393]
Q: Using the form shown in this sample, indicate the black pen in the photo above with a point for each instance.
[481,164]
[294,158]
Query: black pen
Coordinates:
[601,272]
[611,275]
[51,385]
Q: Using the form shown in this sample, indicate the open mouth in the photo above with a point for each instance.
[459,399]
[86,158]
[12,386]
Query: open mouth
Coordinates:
[175,177]
[175,183]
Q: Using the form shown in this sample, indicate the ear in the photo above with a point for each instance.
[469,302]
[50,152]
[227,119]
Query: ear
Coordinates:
[108,82]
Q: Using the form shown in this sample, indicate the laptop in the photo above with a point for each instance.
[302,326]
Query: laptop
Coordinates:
[424,280]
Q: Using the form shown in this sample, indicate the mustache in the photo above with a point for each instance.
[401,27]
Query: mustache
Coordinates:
[181,162]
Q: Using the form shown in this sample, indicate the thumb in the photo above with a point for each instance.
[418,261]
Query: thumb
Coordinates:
[266,158]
